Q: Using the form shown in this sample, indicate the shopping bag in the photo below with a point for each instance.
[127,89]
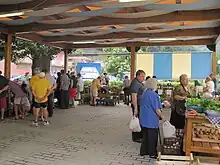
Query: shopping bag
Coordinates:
[134,125]
[168,130]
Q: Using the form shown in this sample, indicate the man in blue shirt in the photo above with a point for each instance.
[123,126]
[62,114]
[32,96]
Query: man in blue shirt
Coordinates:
[150,114]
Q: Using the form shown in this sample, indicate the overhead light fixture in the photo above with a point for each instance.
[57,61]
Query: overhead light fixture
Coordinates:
[162,39]
[84,42]
[11,14]
[131,0]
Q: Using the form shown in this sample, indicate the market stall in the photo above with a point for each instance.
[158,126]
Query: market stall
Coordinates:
[202,132]
[201,136]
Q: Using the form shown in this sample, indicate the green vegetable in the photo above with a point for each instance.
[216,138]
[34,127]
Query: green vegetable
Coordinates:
[207,104]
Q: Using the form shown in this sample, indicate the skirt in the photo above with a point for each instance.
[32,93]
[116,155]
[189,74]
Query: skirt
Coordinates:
[73,93]
[177,120]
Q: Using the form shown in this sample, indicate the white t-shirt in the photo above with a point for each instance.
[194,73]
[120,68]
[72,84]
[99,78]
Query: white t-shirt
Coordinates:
[211,88]
[80,84]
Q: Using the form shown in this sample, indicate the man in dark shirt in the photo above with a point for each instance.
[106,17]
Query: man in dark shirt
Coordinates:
[3,92]
[136,89]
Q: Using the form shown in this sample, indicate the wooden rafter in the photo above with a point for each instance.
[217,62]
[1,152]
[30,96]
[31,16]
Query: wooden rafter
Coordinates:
[172,43]
[202,15]
[122,35]
[217,41]
[37,4]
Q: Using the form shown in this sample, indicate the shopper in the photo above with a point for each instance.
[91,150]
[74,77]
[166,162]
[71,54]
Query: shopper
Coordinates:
[21,102]
[64,93]
[126,89]
[105,79]
[136,89]
[32,81]
[41,90]
[180,94]
[73,87]
[95,86]
[150,113]
[80,87]
[57,91]
[53,84]
[3,92]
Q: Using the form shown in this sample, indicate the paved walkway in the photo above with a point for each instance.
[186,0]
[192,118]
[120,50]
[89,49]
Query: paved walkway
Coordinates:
[81,136]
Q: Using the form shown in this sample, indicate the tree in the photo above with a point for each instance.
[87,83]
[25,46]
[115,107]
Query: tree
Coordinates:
[40,54]
[115,64]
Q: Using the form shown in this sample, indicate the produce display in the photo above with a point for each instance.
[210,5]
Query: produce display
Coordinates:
[206,132]
[206,104]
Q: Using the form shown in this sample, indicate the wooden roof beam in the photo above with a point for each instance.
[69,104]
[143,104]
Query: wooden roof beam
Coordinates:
[37,38]
[120,35]
[217,41]
[172,43]
[36,5]
[202,15]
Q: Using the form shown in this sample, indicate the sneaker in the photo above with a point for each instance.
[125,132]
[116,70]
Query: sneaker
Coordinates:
[46,123]
[35,123]
[153,156]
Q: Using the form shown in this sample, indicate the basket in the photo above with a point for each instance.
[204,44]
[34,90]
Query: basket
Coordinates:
[196,108]
[173,146]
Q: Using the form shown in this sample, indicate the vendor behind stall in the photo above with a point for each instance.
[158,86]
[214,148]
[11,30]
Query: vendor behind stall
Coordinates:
[180,94]
[209,90]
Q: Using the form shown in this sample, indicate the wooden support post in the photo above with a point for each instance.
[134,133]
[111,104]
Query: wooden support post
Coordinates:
[188,136]
[8,51]
[133,63]
[214,62]
[66,60]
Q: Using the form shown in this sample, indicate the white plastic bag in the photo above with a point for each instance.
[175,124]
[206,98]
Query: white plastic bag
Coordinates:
[134,125]
[168,130]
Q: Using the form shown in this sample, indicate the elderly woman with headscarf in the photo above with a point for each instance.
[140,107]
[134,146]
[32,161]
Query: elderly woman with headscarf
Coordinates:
[150,114]
[180,94]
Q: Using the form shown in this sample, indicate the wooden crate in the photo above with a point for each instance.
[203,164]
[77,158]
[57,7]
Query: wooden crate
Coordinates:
[174,160]
[196,144]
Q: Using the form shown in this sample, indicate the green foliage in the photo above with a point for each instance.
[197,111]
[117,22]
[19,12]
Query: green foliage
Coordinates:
[87,82]
[33,50]
[116,65]
[118,84]
[207,104]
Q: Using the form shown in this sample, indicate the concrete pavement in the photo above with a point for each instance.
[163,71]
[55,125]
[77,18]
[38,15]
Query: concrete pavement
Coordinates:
[80,136]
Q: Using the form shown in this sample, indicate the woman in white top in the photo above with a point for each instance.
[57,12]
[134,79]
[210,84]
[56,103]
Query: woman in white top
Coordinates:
[209,89]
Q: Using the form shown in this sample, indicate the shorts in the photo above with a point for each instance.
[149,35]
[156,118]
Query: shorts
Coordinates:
[40,105]
[22,101]
[94,93]
[3,102]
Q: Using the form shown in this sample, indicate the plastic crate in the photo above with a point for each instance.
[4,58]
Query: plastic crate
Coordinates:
[173,146]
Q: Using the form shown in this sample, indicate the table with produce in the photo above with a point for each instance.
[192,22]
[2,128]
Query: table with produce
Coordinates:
[203,126]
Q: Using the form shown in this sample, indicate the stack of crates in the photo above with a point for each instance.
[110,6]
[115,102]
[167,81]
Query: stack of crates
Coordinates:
[173,146]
